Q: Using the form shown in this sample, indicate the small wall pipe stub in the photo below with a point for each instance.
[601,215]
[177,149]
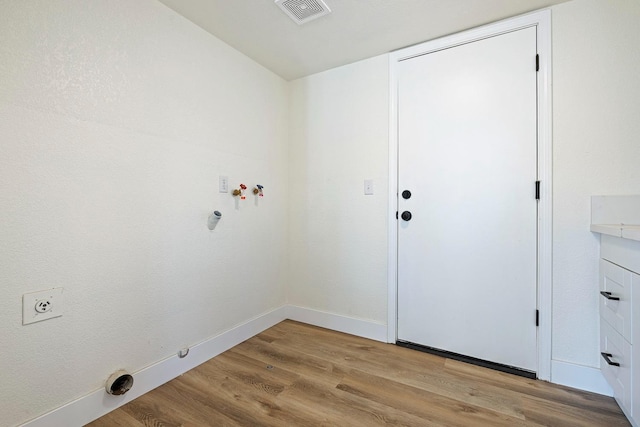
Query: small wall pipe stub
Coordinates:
[213,220]
[119,383]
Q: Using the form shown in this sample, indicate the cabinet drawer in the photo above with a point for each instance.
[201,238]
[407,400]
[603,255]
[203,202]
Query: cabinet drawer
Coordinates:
[615,282]
[620,351]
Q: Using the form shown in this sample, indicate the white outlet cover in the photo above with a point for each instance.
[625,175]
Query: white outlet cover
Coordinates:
[51,299]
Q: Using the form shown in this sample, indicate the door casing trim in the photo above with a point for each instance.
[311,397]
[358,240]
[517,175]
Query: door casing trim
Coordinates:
[542,20]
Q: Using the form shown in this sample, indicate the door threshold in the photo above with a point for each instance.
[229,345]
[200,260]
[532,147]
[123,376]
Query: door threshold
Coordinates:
[468,359]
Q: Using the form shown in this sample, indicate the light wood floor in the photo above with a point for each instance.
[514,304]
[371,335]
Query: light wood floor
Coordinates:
[299,375]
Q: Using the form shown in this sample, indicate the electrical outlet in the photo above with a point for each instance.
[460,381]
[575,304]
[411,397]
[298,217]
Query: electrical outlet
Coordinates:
[41,305]
[223,184]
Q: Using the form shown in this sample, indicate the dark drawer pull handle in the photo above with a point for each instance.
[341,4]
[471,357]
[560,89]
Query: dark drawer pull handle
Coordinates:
[607,357]
[607,295]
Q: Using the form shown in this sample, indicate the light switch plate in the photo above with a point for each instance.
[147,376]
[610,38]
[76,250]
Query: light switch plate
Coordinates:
[41,305]
[368,187]
[223,184]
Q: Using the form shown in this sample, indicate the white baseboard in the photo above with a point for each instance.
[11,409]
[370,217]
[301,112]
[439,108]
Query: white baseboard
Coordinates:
[98,403]
[580,377]
[349,325]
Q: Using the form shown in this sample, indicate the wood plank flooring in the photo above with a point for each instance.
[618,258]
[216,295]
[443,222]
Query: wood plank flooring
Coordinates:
[299,375]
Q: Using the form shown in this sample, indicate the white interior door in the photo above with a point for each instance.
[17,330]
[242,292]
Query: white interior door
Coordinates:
[467,153]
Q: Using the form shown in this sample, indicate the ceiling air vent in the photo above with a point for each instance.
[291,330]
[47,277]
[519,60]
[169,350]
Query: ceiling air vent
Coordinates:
[303,11]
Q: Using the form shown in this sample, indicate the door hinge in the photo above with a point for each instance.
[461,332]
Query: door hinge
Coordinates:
[537,62]
[396,214]
[537,317]
[537,190]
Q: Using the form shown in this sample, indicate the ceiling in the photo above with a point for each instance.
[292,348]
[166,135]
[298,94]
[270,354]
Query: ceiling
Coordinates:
[354,30]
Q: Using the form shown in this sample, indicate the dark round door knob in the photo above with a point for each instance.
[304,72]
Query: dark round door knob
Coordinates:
[406,215]
[406,194]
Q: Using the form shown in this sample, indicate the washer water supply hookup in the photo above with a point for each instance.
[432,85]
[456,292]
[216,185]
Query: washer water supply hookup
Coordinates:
[240,192]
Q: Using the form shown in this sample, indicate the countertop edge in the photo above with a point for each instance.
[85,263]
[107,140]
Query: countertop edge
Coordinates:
[631,232]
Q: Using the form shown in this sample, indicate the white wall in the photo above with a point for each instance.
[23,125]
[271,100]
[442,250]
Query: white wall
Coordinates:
[339,138]
[116,119]
[596,106]
[340,134]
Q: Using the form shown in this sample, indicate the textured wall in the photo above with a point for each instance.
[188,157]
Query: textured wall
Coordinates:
[116,119]
[339,137]
[596,107]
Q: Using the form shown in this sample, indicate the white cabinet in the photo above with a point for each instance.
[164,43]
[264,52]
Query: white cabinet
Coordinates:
[617,219]
[635,376]
[620,321]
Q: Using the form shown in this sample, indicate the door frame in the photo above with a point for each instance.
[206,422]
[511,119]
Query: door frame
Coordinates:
[541,20]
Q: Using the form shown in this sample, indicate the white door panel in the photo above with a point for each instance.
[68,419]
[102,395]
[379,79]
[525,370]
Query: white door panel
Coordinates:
[467,152]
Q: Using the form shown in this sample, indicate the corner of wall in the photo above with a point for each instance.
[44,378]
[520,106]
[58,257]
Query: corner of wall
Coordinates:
[581,377]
